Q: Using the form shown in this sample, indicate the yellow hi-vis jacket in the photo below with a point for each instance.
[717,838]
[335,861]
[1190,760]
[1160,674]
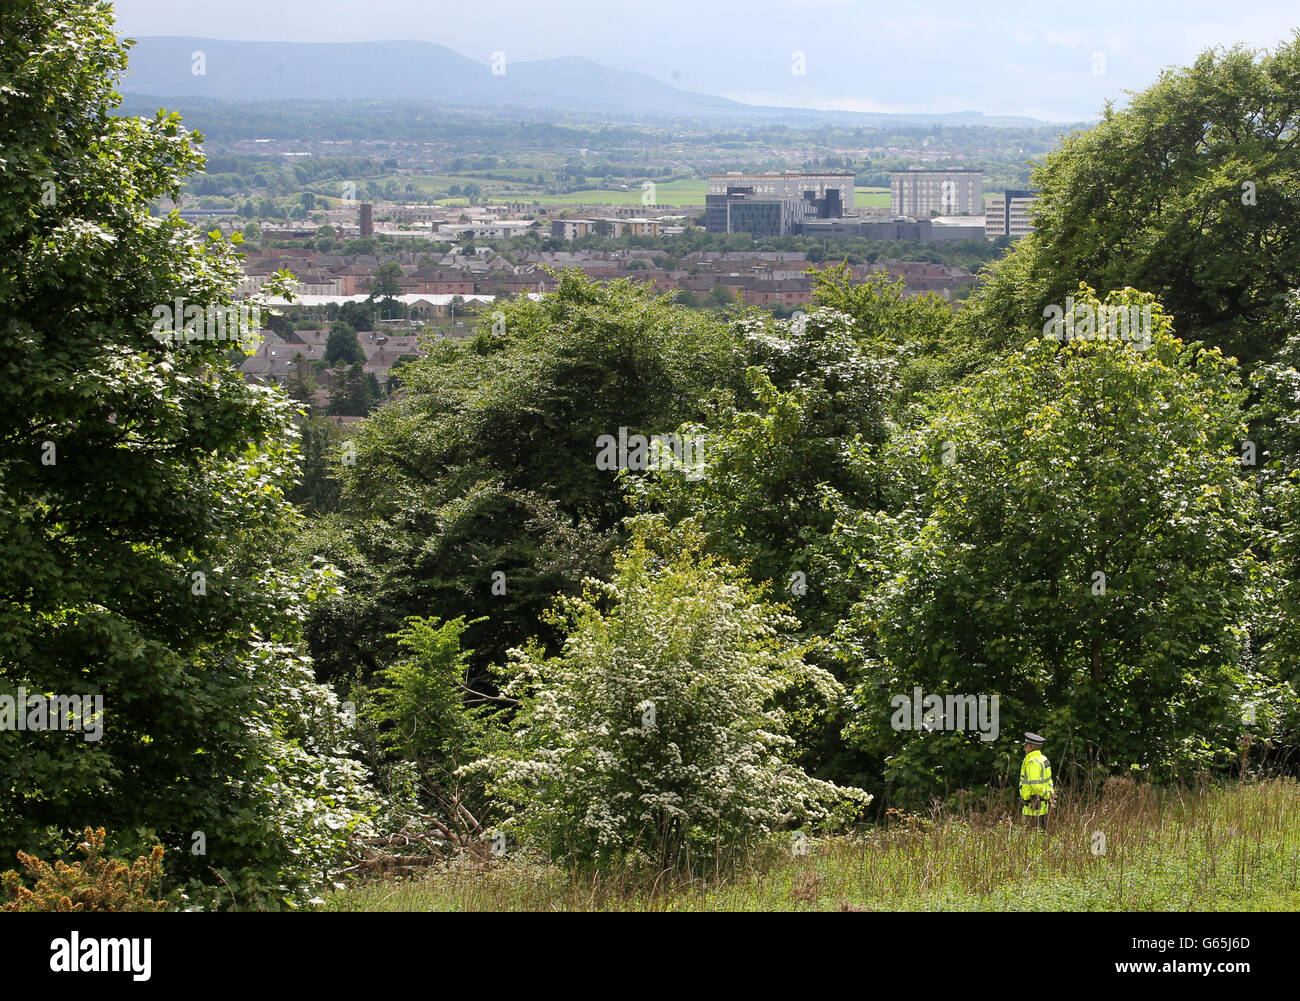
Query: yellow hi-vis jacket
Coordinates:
[1035,780]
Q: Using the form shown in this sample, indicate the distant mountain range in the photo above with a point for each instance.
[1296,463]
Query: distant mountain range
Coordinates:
[165,66]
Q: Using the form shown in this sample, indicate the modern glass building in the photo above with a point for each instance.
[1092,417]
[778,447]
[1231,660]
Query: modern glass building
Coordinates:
[774,204]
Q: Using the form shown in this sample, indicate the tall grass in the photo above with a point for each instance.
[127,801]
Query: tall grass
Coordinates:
[1202,848]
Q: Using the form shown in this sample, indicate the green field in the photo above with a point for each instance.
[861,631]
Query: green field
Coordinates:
[871,198]
[1134,848]
[684,193]
[673,193]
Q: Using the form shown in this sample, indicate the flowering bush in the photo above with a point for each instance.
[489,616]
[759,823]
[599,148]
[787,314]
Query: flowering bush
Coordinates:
[654,738]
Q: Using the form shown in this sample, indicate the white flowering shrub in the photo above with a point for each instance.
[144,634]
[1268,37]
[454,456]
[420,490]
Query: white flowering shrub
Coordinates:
[654,738]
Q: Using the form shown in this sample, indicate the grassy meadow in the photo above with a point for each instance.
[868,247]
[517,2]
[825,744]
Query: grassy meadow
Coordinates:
[523,189]
[1131,848]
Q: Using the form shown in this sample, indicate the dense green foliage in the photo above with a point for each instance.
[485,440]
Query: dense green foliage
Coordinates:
[141,494]
[342,345]
[476,491]
[1276,425]
[1075,535]
[1188,193]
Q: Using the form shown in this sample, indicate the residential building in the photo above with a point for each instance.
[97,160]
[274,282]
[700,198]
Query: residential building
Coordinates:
[922,193]
[571,229]
[1009,214]
[640,227]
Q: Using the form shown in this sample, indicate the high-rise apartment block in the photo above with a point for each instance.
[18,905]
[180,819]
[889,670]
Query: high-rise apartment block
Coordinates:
[919,194]
[1008,214]
[774,204]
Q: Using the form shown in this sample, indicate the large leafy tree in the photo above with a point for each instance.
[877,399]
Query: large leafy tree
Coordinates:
[777,458]
[342,346]
[1189,193]
[141,487]
[1075,537]
[476,491]
[386,282]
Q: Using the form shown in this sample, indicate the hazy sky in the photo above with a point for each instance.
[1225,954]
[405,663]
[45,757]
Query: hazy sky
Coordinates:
[1051,60]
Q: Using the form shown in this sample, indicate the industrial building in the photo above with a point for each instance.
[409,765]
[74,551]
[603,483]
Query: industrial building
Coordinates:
[937,230]
[776,204]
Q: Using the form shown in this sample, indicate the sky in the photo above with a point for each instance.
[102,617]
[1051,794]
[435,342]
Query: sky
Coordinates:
[1058,61]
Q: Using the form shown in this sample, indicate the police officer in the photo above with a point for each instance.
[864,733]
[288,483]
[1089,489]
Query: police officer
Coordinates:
[1035,782]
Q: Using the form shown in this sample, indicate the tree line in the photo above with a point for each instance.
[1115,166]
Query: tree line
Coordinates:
[487,635]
